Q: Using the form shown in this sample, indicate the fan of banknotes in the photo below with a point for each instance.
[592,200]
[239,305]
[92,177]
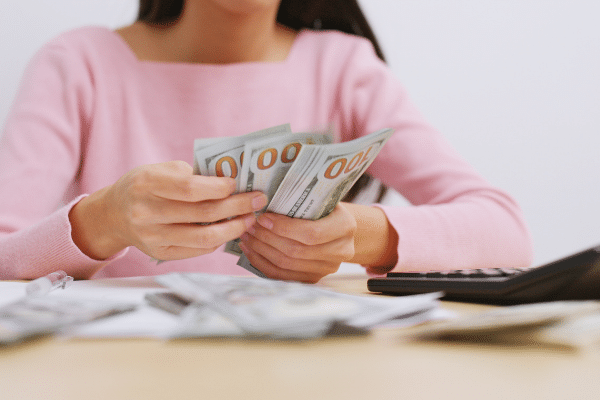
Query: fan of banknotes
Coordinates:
[303,175]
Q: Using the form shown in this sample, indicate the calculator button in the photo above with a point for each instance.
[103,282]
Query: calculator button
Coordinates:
[406,274]
[511,271]
[438,274]
[492,272]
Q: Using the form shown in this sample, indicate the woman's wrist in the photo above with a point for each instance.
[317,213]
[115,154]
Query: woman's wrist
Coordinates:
[375,241]
[91,228]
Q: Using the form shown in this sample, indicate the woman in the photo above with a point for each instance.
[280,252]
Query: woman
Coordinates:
[102,115]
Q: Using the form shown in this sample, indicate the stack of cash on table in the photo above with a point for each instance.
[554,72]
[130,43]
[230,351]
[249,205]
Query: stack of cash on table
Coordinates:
[226,306]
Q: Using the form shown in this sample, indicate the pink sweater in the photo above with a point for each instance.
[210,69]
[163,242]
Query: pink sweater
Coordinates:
[88,111]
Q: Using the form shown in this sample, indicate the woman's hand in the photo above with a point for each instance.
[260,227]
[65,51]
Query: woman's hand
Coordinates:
[301,250]
[165,211]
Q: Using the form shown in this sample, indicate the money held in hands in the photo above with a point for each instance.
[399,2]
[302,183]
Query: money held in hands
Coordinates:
[303,175]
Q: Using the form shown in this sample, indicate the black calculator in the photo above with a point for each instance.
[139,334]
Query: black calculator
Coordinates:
[575,277]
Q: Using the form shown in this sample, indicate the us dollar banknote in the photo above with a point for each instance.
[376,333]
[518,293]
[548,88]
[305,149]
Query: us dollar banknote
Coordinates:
[267,163]
[320,177]
[229,306]
[270,159]
[225,156]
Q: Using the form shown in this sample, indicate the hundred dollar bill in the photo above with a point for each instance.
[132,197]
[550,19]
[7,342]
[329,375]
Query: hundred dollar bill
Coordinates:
[271,158]
[321,176]
[228,306]
[200,144]
[34,316]
[225,157]
[313,191]
[267,163]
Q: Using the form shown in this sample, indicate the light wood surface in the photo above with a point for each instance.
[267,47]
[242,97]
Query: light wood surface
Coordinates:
[384,365]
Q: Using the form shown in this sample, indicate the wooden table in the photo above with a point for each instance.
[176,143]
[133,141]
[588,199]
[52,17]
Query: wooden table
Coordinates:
[384,365]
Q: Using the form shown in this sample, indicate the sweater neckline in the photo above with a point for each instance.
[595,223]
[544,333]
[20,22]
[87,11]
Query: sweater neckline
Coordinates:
[124,46]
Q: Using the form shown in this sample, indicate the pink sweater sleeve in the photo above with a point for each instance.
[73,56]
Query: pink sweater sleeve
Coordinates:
[458,220]
[39,160]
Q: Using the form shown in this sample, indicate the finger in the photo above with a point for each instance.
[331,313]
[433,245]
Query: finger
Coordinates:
[194,188]
[169,253]
[337,224]
[205,236]
[338,250]
[285,262]
[175,181]
[274,272]
[170,212]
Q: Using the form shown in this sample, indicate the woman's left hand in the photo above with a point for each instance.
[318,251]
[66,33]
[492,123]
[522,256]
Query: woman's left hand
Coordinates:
[302,250]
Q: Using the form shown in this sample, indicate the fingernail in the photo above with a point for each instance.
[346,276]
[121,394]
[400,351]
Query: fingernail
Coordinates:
[249,221]
[251,230]
[265,222]
[259,201]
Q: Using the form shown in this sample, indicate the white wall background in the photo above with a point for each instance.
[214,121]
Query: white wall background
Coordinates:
[515,86]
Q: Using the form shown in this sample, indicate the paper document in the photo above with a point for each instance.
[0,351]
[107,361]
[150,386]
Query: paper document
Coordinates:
[558,323]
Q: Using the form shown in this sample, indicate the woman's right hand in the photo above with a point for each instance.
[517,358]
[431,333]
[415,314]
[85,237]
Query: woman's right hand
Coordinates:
[165,211]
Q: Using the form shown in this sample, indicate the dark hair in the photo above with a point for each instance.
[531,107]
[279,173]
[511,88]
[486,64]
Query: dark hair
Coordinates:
[342,15]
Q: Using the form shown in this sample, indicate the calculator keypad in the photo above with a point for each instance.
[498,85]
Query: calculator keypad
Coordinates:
[459,273]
